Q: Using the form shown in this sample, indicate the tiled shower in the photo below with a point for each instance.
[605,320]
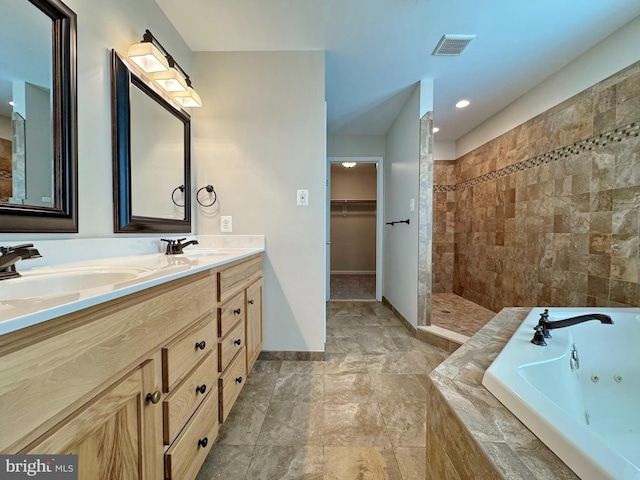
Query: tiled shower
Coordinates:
[549,212]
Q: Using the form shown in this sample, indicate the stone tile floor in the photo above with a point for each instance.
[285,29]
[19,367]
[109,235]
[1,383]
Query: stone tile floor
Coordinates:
[352,287]
[458,314]
[359,414]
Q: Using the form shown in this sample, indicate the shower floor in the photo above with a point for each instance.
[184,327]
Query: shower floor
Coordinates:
[457,314]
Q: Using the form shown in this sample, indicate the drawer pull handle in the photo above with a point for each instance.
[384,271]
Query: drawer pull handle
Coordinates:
[201,389]
[250,302]
[237,342]
[201,345]
[153,397]
[237,311]
[239,380]
[203,443]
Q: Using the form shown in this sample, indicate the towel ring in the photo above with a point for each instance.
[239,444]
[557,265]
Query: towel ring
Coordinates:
[210,189]
[181,188]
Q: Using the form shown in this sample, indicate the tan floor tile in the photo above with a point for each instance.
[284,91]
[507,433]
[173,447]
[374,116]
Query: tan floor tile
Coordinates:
[348,388]
[406,425]
[301,387]
[243,424]
[347,463]
[412,463]
[292,423]
[286,463]
[226,462]
[354,424]
[391,387]
[310,368]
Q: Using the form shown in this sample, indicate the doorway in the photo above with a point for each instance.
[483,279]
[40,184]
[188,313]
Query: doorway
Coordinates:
[354,228]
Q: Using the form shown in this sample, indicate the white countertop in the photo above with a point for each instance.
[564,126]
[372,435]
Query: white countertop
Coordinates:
[44,293]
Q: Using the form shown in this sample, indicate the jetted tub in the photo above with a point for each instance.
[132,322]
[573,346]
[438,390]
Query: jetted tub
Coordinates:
[589,416]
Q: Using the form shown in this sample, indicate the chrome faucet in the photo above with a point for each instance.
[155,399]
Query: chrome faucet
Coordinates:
[9,256]
[544,324]
[174,247]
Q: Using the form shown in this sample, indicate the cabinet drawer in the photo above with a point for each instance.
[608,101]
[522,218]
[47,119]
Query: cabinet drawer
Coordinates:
[230,345]
[180,404]
[231,312]
[185,457]
[237,276]
[230,384]
[186,351]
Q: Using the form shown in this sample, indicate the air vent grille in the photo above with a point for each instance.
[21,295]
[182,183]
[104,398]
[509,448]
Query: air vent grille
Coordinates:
[452,45]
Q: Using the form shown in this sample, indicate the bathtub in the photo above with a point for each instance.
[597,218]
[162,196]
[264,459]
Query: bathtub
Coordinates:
[588,416]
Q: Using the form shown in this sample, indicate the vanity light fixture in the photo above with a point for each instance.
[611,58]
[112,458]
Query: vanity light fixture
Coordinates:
[436,129]
[463,103]
[153,58]
[349,164]
[147,56]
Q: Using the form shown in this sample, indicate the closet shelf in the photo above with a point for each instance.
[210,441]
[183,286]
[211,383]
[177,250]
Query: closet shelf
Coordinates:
[358,207]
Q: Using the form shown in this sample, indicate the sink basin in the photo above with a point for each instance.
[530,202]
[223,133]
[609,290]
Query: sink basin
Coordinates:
[48,282]
[204,252]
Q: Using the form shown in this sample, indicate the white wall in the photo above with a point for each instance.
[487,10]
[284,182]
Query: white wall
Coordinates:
[101,27]
[259,137]
[355,145]
[401,168]
[444,150]
[614,53]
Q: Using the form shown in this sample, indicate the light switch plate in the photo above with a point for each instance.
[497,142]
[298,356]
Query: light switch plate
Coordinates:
[412,205]
[226,225]
[303,198]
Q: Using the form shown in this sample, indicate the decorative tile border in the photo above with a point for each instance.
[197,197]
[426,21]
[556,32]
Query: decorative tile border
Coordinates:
[617,135]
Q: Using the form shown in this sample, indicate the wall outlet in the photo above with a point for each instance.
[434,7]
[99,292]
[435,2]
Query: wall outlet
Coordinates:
[225,224]
[303,198]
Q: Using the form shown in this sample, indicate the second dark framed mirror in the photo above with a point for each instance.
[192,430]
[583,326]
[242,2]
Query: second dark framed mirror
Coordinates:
[38,117]
[151,156]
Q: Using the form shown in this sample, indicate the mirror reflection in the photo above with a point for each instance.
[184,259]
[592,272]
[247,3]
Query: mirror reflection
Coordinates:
[157,159]
[26,131]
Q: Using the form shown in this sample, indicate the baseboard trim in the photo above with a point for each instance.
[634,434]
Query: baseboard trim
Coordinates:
[291,355]
[404,321]
[353,272]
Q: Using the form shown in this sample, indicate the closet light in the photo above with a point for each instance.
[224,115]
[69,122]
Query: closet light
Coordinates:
[148,57]
[436,129]
[349,164]
[187,99]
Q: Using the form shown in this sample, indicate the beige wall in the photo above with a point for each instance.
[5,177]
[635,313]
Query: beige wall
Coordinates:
[353,227]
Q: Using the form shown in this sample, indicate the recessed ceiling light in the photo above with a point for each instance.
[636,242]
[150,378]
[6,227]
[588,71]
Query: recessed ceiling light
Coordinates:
[12,103]
[436,129]
[463,103]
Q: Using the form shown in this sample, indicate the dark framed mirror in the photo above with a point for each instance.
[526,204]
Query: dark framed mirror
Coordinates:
[38,117]
[151,156]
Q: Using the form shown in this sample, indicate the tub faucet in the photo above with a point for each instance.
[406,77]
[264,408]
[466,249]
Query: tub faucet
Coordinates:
[9,256]
[175,247]
[544,324]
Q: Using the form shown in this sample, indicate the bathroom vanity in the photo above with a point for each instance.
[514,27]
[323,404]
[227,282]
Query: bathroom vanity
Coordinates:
[135,381]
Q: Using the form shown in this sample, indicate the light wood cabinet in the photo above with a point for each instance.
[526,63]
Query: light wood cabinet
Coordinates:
[253,325]
[114,435]
[136,386]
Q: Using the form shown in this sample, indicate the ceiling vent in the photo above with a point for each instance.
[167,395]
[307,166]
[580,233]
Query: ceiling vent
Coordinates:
[452,45]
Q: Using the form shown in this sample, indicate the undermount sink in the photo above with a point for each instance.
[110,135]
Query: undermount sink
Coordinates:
[204,252]
[48,282]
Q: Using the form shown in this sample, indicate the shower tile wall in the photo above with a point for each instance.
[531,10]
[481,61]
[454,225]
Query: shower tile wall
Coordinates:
[5,170]
[548,213]
[444,205]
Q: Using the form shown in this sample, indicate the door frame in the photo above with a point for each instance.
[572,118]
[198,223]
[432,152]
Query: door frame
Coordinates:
[379,219]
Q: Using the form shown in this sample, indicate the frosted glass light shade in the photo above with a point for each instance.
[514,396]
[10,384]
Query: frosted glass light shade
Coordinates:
[349,164]
[171,81]
[148,57]
[188,99]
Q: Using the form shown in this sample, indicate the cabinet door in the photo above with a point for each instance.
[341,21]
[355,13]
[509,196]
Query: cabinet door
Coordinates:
[254,323]
[116,435]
